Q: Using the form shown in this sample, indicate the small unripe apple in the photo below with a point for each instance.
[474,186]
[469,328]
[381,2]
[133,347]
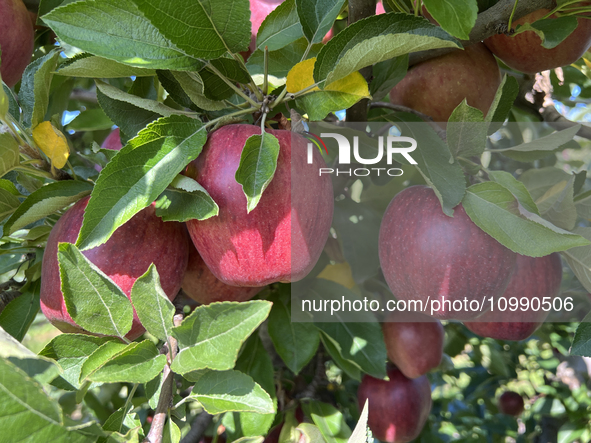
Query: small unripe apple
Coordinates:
[524,52]
[437,86]
[202,286]
[282,238]
[143,240]
[447,263]
[511,403]
[535,279]
[398,407]
[16,40]
[405,333]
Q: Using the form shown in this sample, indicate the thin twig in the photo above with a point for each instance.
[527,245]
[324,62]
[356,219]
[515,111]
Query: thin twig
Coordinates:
[167,392]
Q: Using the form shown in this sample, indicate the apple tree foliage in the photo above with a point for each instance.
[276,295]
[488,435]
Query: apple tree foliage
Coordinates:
[166,73]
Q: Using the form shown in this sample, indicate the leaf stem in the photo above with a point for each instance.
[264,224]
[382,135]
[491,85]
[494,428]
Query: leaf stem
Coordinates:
[233,114]
[129,397]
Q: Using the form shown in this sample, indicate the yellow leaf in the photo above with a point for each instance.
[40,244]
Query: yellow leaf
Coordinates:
[339,273]
[53,143]
[301,76]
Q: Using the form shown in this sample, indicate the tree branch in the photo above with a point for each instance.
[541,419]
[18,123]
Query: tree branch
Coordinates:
[198,427]
[490,22]
[167,392]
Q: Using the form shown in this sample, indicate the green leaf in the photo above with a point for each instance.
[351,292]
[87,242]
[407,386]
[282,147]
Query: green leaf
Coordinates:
[90,120]
[27,414]
[374,40]
[93,301]
[539,181]
[557,205]
[333,348]
[295,342]
[91,66]
[171,433]
[310,434]
[34,92]
[360,431]
[497,212]
[386,75]
[217,346]
[8,203]
[579,259]
[256,362]
[71,351]
[319,104]
[194,87]
[552,31]
[516,188]
[100,357]
[39,368]
[149,105]
[317,17]
[280,28]
[436,165]
[466,131]
[550,142]
[117,30]
[46,201]
[9,153]
[330,421]
[185,200]
[502,103]
[18,315]
[138,174]
[282,60]
[137,363]
[223,391]
[582,341]
[455,16]
[201,28]
[151,304]
[258,163]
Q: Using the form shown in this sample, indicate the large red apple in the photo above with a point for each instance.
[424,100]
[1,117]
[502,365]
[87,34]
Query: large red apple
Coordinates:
[398,407]
[143,240]
[524,52]
[535,279]
[202,286]
[511,403]
[437,86]
[282,238]
[443,262]
[16,40]
[404,333]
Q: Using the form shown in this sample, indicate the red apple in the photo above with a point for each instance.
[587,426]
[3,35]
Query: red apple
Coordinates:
[202,286]
[403,338]
[398,408]
[113,141]
[511,403]
[524,52]
[282,238]
[16,40]
[143,240]
[534,278]
[437,86]
[443,262]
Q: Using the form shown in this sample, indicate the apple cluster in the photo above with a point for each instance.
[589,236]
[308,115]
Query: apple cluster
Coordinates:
[229,257]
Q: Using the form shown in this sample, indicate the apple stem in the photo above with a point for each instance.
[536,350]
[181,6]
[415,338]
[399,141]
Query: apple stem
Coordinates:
[511,16]
[233,86]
